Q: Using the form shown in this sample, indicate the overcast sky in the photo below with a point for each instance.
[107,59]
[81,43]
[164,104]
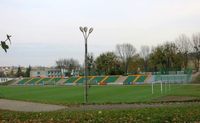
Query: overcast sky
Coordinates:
[46,30]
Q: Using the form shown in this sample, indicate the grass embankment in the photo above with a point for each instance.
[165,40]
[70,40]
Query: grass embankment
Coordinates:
[164,114]
[97,94]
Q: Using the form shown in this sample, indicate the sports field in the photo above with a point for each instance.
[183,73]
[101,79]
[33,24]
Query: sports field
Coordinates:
[99,94]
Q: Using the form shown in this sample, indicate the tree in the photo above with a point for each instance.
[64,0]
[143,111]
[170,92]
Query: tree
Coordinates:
[27,73]
[126,53]
[184,46]
[91,64]
[144,54]
[12,74]
[165,57]
[196,50]
[107,63]
[19,72]
[70,64]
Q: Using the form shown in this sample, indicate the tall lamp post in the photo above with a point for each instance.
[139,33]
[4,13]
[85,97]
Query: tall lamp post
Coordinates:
[86,34]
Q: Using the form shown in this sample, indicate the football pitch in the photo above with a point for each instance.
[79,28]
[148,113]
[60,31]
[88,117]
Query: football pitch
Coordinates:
[67,95]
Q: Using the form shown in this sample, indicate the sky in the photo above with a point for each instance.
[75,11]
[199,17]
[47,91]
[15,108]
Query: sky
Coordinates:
[44,31]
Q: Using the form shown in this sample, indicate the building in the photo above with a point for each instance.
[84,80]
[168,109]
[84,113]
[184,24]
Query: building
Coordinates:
[52,72]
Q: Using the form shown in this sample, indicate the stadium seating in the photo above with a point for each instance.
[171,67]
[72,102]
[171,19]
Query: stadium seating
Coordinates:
[71,80]
[141,78]
[82,80]
[96,80]
[43,81]
[129,80]
[23,81]
[111,79]
[33,81]
[56,79]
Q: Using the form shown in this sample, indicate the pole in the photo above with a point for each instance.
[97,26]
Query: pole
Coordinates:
[86,34]
[152,87]
[86,72]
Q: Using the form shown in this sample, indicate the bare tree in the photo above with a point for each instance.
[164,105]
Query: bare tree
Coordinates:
[144,53]
[184,46]
[69,64]
[196,50]
[126,53]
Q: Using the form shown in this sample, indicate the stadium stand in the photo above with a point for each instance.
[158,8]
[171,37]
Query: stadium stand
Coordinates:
[96,80]
[129,80]
[82,80]
[111,79]
[23,81]
[33,81]
[71,80]
[43,81]
[141,79]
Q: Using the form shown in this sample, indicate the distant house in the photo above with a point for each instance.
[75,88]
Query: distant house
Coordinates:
[52,72]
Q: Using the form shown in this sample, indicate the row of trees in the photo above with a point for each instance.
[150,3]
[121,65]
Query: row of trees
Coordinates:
[18,73]
[173,55]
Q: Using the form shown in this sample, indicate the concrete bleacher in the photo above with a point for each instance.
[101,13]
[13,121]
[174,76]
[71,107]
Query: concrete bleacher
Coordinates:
[96,80]
[43,81]
[111,79]
[92,80]
[71,80]
[129,80]
[23,81]
[33,81]
[141,79]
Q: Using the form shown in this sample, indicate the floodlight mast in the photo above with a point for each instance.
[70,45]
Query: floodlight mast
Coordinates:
[86,34]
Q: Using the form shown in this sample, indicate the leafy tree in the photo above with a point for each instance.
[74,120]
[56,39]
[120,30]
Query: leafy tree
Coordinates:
[196,50]
[165,57]
[27,73]
[91,64]
[19,72]
[108,63]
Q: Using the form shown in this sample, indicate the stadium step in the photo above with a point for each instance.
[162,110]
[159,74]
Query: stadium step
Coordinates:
[138,76]
[104,79]
[78,79]
[61,82]
[148,79]
[29,80]
[121,79]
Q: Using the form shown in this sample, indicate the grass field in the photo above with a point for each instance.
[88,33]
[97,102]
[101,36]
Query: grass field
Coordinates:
[97,94]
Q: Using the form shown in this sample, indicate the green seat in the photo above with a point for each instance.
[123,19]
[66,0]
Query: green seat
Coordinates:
[82,80]
[96,80]
[141,79]
[44,80]
[23,81]
[33,81]
[111,79]
[71,80]
[56,79]
[129,80]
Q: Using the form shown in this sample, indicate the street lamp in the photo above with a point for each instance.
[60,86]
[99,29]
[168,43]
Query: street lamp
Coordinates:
[86,34]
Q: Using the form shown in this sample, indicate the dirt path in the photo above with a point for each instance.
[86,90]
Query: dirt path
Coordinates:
[27,106]
[38,107]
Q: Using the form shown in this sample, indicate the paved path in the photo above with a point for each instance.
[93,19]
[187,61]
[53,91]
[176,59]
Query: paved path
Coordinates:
[14,105]
[27,106]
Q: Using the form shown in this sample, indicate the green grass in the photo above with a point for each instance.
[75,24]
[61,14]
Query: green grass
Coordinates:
[97,94]
[178,114]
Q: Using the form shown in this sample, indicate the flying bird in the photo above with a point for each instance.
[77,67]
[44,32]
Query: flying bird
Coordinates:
[8,38]
[4,46]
